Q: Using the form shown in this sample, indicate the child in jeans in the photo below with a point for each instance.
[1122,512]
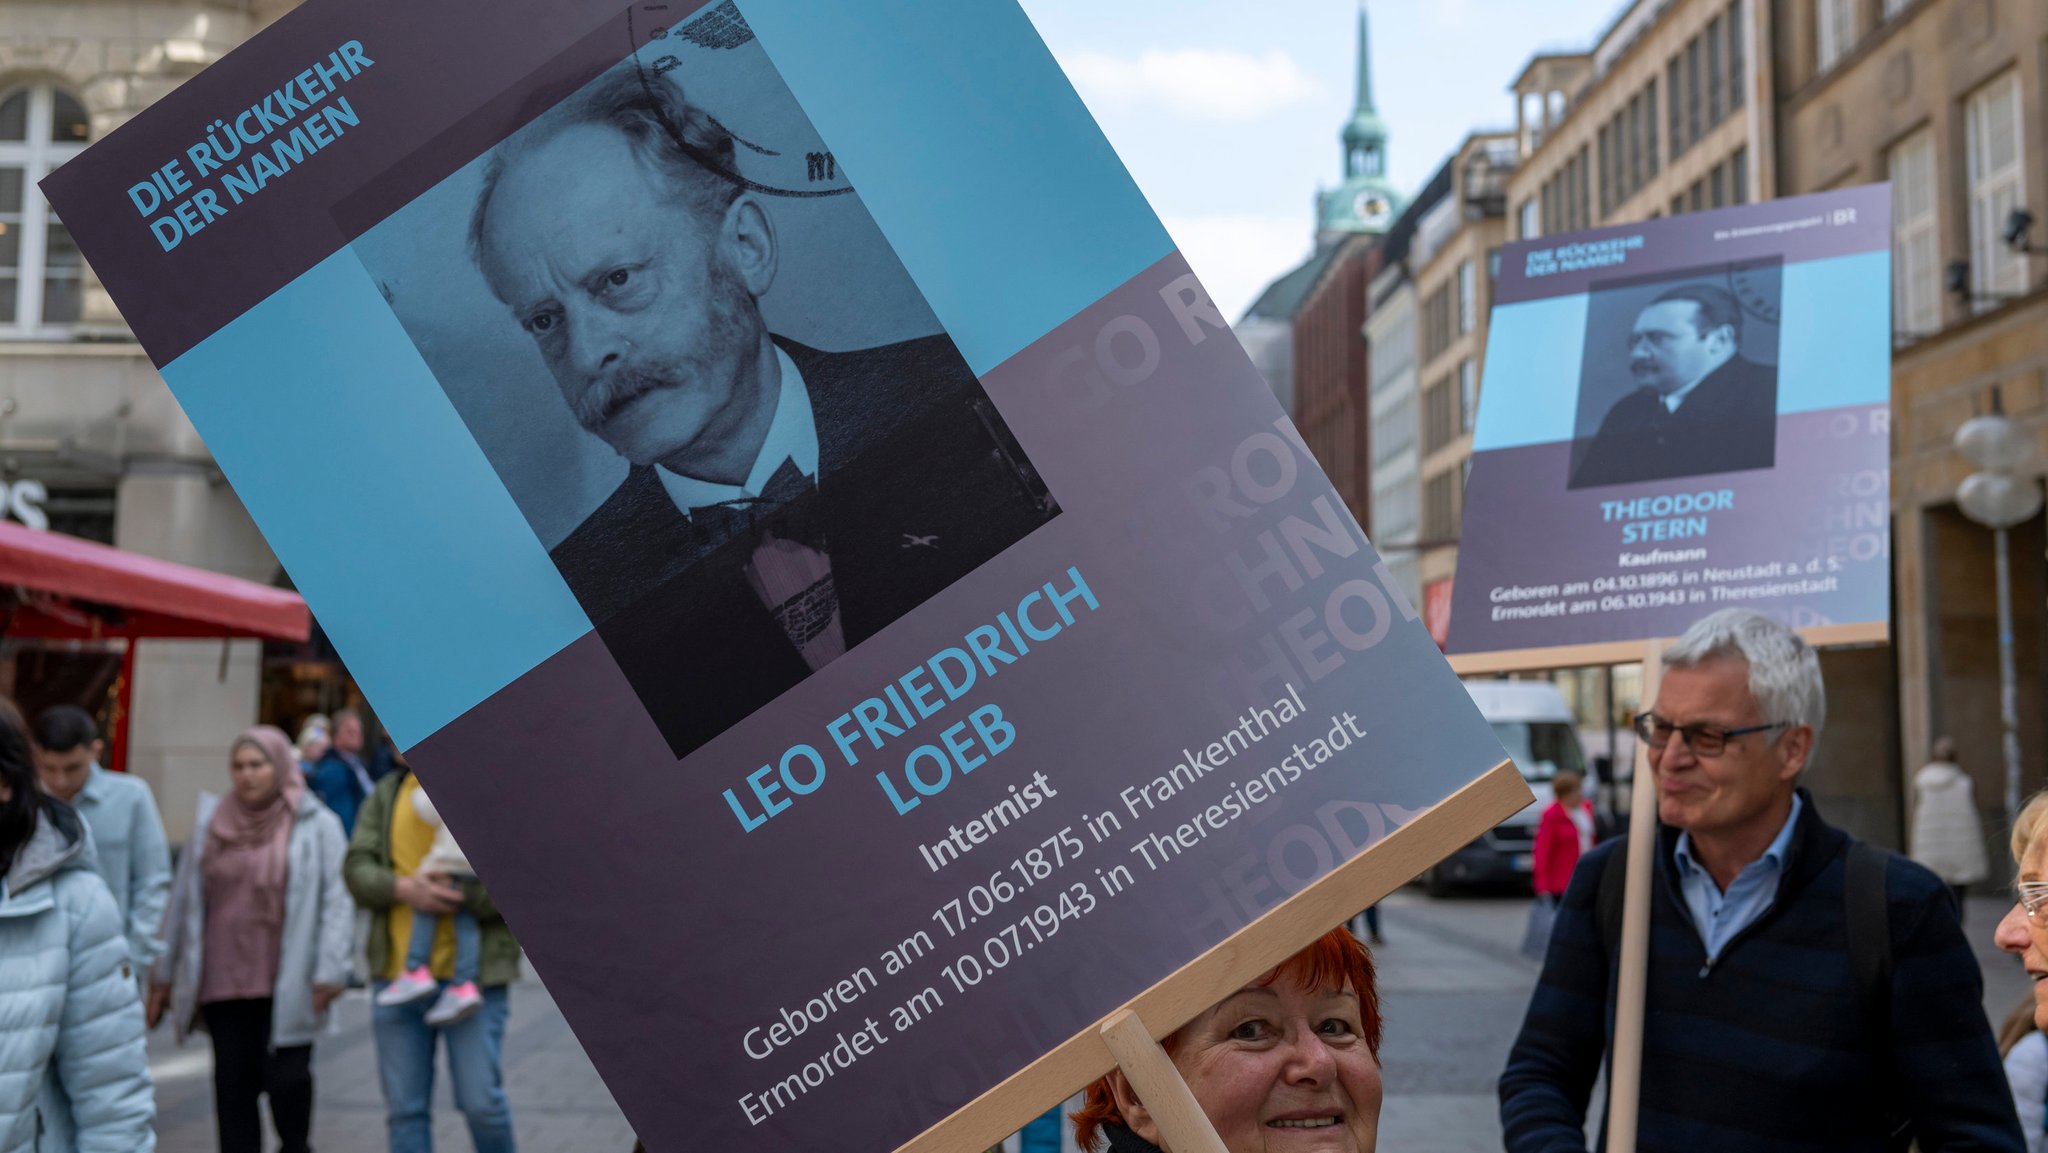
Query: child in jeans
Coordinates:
[461,999]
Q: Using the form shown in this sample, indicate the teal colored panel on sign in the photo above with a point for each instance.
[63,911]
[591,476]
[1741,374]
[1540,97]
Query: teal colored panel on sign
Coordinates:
[1531,380]
[1835,339]
[375,497]
[975,156]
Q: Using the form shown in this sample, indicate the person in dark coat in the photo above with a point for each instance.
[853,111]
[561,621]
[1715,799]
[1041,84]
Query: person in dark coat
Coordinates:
[1804,991]
[1700,407]
[783,503]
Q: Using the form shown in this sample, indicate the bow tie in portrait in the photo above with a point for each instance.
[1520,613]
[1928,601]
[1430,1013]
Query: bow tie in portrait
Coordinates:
[786,505]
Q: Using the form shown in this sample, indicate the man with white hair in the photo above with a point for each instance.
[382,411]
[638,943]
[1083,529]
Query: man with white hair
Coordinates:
[1806,991]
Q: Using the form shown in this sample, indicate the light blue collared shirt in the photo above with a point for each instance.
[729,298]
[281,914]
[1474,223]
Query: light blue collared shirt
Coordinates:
[1720,916]
[792,436]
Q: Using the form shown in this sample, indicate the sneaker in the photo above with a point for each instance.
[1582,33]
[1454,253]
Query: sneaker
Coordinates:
[409,987]
[458,1003]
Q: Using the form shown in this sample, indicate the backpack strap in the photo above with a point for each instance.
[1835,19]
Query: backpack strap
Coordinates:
[1607,898]
[1867,917]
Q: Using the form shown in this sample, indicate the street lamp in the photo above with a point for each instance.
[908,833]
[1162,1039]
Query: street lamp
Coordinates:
[1997,499]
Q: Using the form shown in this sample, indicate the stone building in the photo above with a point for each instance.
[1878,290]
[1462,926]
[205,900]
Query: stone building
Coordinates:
[1455,256]
[1390,338]
[1690,104]
[82,410]
[1946,99]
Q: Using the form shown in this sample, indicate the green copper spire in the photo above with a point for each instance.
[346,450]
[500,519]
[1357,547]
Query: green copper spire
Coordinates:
[1365,202]
[1365,114]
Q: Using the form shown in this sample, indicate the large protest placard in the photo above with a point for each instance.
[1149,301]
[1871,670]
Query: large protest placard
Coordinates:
[1679,416]
[854,601]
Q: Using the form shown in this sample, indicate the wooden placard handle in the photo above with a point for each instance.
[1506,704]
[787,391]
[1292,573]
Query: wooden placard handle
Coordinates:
[1182,1124]
[1625,1071]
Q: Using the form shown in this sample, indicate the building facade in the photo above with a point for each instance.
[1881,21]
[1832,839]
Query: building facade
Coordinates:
[1455,255]
[1331,406]
[83,413]
[1947,100]
[1395,392]
[1693,104]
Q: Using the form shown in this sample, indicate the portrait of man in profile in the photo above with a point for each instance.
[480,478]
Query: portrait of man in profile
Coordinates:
[781,503]
[1699,406]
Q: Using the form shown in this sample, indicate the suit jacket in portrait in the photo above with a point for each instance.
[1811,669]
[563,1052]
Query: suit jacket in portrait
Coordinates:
[918,484]
[1728,423]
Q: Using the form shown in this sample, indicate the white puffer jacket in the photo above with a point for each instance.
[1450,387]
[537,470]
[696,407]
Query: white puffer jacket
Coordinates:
[1947,835]
[73,1075]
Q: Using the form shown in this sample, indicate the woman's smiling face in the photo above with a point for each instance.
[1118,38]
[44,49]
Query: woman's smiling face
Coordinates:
[1280,1069]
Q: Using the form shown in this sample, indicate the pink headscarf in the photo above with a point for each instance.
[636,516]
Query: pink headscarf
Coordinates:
[256,838]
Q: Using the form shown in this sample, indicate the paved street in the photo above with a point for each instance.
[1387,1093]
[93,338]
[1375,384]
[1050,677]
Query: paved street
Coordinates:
[558,1102]
[1453,988]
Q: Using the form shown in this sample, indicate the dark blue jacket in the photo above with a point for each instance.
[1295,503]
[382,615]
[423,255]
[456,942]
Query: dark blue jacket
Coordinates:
[337,784]
[1769,1049]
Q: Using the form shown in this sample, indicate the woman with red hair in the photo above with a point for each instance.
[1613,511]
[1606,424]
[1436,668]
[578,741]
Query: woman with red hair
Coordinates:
[1289,1062]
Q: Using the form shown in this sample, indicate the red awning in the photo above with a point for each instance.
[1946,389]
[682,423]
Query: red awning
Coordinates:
[82,589]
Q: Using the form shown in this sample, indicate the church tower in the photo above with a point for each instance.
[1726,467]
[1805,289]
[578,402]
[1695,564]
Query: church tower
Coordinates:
[1366,201]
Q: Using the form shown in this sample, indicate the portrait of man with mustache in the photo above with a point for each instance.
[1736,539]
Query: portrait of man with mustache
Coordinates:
[783,503]
[1699,405]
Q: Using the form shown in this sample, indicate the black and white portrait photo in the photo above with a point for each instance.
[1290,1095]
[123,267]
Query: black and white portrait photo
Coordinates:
[715,393]
[1679,377]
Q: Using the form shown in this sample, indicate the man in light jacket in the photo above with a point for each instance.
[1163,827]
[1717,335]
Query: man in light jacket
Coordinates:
[127,832]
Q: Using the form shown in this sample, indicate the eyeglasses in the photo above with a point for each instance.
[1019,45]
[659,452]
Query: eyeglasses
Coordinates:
[2034,898]
[1703,740]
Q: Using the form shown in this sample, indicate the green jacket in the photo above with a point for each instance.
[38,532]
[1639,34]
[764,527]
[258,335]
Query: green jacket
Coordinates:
[367,870]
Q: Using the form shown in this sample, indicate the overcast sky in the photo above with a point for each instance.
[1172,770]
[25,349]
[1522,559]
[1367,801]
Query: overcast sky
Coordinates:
[1227,113]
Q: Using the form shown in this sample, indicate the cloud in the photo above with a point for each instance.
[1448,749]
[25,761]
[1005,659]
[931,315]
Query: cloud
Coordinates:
[1237,254]
[1219,86]
[1449,15]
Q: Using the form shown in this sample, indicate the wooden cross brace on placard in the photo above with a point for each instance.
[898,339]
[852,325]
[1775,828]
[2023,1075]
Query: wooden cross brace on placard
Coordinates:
[1129,1037]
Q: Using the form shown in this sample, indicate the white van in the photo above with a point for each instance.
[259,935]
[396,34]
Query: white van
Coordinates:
[1539,733]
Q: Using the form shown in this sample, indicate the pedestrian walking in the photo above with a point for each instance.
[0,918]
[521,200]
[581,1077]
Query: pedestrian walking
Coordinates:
[256,941]
[1805,991]
[73,1073]
[1948,834]
[1563,834]
[340,777]
[387,871]
[127,832]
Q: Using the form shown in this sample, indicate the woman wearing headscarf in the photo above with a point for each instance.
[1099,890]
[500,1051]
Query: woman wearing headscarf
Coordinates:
[72,1069]
[257,940]
[1289,1061]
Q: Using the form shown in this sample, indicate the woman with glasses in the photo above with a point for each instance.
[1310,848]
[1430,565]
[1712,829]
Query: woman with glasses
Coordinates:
[2024,933]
